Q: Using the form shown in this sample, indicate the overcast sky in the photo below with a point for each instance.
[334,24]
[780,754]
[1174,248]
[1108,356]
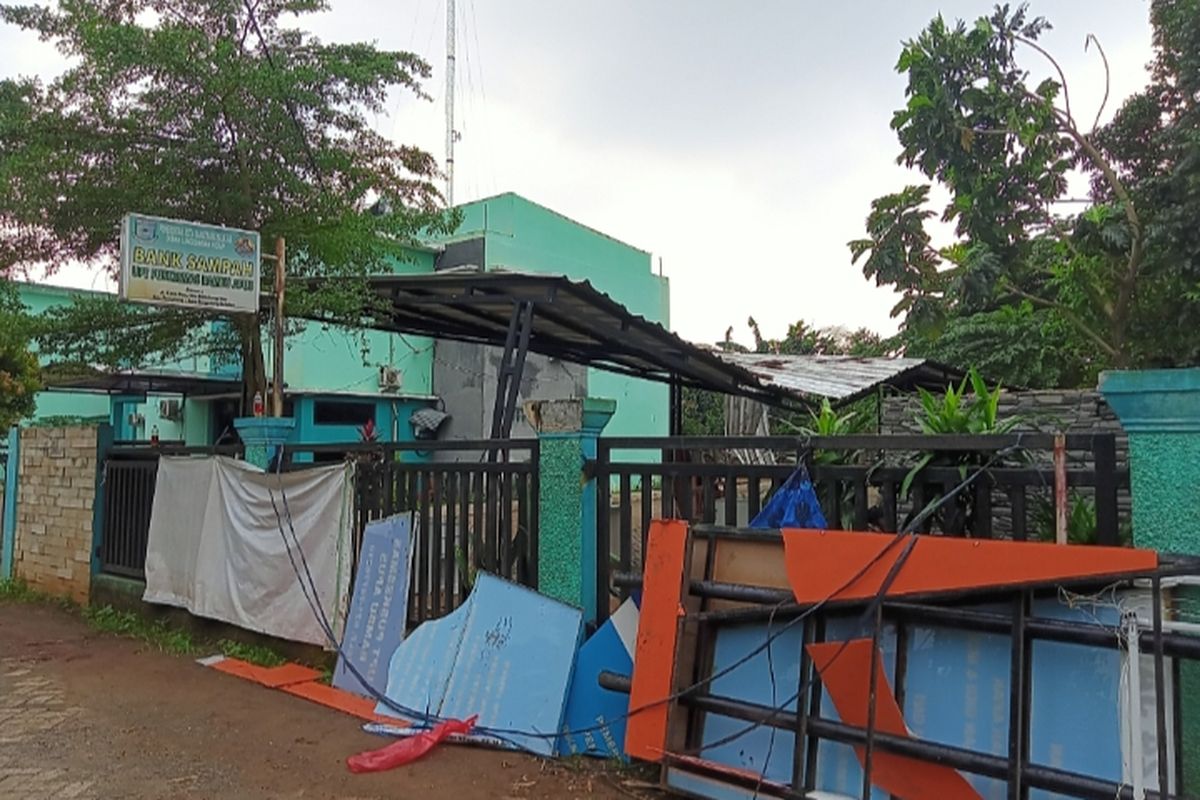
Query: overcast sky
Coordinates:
[740,142]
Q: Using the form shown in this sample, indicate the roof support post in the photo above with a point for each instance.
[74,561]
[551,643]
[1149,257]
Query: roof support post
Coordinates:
[512,366]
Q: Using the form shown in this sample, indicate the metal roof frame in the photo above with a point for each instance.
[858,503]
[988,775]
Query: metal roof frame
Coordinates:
[143,382]
[572,321]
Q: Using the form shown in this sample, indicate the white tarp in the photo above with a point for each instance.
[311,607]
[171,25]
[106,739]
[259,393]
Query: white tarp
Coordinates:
[216,547]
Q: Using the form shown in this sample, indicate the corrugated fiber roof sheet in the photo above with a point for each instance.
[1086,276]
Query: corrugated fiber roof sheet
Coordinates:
[841,378]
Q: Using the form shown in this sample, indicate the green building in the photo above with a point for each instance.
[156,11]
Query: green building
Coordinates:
[337,380]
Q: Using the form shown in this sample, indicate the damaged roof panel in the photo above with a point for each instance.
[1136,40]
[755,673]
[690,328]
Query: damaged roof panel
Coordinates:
[841,378]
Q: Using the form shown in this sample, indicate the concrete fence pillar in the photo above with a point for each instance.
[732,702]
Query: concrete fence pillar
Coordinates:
[567,432]
[1160,410]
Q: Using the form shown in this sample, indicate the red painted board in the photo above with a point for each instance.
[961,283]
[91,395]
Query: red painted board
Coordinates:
[271,677]
[663,582]
[821,563]
[845,668]
[339,700]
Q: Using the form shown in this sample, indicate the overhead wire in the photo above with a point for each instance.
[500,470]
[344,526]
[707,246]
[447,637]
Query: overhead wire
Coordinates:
[287,100]
[489,154]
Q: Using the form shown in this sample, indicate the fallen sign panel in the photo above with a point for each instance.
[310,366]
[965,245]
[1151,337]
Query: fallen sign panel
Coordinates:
[825,565]
[505,655]
[730,703]
[845,669]
[595,718]
[379,606]
[299,681]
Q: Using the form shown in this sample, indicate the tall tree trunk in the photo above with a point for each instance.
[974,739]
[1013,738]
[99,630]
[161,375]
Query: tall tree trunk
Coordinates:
[254,369]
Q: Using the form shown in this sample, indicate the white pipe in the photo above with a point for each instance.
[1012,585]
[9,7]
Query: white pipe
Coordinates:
[1180,580]
[1174,625]
[1136,758]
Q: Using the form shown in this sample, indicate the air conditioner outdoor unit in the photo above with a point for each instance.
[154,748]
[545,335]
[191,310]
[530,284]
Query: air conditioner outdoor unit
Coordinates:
[390,379]
[171,409]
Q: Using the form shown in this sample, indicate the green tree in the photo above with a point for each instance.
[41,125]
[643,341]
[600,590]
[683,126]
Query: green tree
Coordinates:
[1086,290]
[19,374]
[216,111]
[804,340]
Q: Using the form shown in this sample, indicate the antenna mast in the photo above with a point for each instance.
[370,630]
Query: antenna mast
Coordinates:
[450,133]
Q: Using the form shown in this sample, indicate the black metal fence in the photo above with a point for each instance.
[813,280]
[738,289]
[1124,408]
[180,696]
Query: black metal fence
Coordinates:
[868,482]
[475,502]
[127,484]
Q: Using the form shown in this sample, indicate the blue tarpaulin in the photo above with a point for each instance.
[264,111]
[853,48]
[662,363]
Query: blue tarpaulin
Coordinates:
[794,505]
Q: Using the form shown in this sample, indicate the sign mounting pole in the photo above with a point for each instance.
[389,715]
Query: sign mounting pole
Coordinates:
[277,365]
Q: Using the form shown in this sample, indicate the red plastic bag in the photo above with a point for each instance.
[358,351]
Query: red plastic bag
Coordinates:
[408,749]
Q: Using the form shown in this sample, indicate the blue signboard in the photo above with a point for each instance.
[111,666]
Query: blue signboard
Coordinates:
[956,693]
[505,655]
[597,713]
[379,608]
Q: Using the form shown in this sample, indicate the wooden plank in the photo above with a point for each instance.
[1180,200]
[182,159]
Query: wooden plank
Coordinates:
[664,588]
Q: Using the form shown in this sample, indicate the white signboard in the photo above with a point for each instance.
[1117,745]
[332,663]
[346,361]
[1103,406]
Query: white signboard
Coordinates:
[174,263]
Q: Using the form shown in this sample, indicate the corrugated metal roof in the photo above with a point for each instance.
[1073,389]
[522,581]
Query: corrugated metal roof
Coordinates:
[840,378]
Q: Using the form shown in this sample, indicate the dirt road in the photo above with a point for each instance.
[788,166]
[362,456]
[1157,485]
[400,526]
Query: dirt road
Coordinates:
[88,715]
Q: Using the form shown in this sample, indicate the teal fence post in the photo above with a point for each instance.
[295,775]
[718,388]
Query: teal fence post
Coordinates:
[1160,410]
[567,432]
[105,436]
[8,531]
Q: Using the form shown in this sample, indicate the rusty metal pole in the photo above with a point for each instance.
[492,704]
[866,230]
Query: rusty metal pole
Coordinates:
[1060,488]
[277,365]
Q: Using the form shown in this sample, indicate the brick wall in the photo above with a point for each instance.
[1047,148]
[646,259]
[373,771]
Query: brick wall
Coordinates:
[56,490]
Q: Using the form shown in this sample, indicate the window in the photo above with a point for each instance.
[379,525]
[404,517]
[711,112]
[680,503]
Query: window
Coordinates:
[338,412]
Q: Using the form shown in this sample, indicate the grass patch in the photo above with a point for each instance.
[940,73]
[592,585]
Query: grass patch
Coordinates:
[157,633]
[258,654]
[16,590]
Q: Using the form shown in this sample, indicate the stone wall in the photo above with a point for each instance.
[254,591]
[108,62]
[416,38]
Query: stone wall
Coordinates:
[1047,411]
[1043,411]
[56,492]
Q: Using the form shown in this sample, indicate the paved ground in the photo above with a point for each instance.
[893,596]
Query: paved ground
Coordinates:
[87,715]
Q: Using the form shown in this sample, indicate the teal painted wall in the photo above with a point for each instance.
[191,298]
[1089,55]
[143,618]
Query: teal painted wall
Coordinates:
[319,358]
[38,299]
[333,359]
[329,358]
[522,235]
[391,420]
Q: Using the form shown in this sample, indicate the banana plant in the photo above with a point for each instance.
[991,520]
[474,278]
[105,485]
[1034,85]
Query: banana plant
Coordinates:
[971,408]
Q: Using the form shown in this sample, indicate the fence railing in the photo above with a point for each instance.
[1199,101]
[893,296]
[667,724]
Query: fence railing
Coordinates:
[475,504]
[130,473]
[868,482]
[477,511]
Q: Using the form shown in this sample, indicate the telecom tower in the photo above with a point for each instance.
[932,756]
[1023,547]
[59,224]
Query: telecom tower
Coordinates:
[451,134]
